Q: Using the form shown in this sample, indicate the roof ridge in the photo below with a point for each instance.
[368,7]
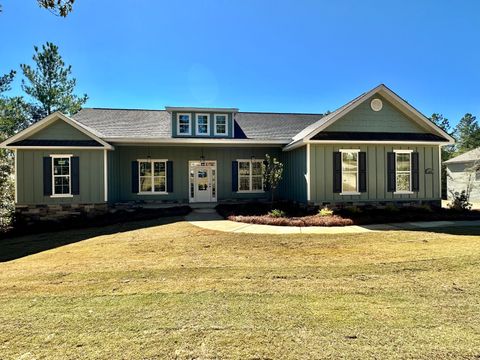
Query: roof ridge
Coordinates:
[279,113]
[126,109]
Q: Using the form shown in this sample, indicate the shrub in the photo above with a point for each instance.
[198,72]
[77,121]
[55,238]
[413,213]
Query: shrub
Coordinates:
[353,209]
[276,213]
[392,208]
[460,201]
[325,211]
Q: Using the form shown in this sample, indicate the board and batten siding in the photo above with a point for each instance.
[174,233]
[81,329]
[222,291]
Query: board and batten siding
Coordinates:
[30,177]
[294,183]
[120,171]
[364,119]
[459,177]
[59,130]
[321,169]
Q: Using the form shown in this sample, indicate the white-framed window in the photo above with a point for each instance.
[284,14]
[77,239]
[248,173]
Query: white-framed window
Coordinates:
[202,122]
[250,175]
[403,171]
[61,175]
[184,124]
[350,171]
[477,175]
[152,176]
[221,124]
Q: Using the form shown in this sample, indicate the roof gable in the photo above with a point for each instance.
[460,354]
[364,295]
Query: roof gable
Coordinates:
[383,91]
[388,119]
[54,128]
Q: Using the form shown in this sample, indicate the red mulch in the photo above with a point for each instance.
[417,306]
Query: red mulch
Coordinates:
[311,220]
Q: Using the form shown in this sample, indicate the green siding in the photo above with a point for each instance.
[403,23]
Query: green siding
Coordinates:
[59,130]
[321,167]
[294,184]
[193,124]
[364,119]
[120,169]
[30,177]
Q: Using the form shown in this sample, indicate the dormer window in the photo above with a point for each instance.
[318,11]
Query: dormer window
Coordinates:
[221,124]
[184,124]
[203,124]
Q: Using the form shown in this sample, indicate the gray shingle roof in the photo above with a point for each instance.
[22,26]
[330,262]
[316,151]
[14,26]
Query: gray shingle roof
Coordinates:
[469,156]
[122,123]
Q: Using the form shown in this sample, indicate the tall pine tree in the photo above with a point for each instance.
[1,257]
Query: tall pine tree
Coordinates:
[467,133]
[50,84]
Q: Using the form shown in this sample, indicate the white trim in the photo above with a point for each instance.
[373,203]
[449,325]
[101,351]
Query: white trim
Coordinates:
[300,143]
[402,105]
[403,151]
[60,156]
[215,125]
[307,175]
[153,192]
[196,125]
[199,109]
[250,181]
[203,141]
[189,124]
[403,192]
[56,147]
[15,167]
[105,176]
[47,121]
[345,151]
[440,171]
[349,150]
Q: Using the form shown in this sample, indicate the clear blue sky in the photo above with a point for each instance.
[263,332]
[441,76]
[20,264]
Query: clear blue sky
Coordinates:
[293,56]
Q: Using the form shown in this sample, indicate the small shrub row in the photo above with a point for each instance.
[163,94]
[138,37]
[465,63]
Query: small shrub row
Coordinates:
[311,220]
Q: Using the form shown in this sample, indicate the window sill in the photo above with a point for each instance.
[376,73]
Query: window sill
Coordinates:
[403,193]
[350,193]
[153,193]
[62,196]
[250,191]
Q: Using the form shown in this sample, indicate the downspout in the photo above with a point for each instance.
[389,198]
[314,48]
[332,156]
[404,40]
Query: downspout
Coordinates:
[15,166]
[105,176]
[307,175]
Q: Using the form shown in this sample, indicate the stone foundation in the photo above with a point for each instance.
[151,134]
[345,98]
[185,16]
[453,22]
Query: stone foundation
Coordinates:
[381,204]
[56,212]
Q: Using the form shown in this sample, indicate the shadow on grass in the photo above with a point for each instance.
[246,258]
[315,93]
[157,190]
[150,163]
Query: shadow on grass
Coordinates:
[453,230]
[18,247]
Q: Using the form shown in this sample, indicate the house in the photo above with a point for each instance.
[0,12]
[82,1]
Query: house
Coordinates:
[375,149]
[463,173]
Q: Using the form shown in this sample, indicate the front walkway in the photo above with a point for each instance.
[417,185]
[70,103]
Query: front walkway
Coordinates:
[209,219]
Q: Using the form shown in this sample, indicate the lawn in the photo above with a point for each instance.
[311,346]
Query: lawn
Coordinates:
[149,290]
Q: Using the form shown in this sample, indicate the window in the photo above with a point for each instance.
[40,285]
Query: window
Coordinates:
[477,175]
[184,124]
[403,171]
[152,176]
[203,124]
[250,175]
[350,171]
[221,124]
[61,175]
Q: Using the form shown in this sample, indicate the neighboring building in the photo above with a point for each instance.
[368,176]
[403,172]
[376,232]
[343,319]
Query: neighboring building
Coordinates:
[463,171]
[373,150]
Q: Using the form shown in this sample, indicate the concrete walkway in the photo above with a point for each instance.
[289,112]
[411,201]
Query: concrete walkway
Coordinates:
[209,219]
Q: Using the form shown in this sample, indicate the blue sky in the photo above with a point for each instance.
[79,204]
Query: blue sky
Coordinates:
[292,56]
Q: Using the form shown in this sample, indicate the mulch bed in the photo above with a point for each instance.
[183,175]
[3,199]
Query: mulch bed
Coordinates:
[257,213]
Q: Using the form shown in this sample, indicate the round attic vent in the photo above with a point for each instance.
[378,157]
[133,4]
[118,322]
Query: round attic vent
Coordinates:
[376,104]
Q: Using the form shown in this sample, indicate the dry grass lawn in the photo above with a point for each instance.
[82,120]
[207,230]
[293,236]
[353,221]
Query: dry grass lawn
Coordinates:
[177,291]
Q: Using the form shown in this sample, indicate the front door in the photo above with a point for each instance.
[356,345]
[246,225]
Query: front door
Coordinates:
[202,184]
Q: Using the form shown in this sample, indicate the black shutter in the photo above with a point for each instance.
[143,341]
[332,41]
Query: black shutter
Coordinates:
[47,176]
[267,185]
[337,172]
[234,176]
[135,177]
[391,181]
[415,172]
[362,171]
[75,174]
[169,176]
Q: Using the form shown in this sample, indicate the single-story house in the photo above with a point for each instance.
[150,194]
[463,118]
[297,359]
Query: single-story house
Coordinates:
[376,149]
[463,172]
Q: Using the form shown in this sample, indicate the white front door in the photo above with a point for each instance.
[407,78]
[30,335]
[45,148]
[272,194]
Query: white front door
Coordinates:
[203,181]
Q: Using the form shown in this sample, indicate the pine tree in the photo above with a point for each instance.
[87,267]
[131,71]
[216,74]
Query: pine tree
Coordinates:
[468,134]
